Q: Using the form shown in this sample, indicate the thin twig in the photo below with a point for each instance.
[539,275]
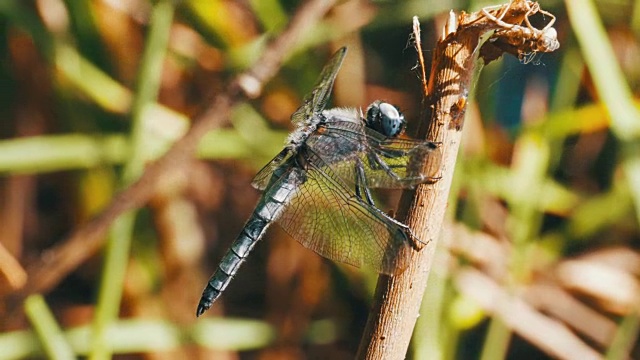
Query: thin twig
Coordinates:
[417,40]
[63,258]
[11,272]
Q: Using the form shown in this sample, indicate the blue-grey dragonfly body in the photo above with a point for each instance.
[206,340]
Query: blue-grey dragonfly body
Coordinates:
[317,187]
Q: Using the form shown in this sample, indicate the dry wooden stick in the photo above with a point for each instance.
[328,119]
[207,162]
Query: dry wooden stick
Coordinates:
[83,243]
[397,298]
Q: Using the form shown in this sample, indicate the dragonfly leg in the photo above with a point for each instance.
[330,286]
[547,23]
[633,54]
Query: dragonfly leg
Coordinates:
[403,229]
[361,187]
[361,184]
[376,163]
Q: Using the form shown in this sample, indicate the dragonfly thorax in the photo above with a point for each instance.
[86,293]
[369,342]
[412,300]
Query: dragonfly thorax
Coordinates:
[385,119]
[300,134]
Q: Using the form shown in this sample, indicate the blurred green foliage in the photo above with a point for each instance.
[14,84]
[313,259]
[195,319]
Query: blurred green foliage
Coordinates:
[91,92]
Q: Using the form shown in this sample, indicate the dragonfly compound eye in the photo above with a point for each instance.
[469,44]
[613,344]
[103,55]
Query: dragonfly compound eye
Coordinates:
[385,119]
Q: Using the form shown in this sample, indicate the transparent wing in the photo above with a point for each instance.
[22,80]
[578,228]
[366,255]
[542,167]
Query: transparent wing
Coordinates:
[387,162]
[317,99]
[262,178]
[328,218]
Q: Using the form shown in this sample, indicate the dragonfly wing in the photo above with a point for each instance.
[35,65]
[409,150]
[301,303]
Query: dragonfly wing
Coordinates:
[387,162]
[263,177]
[317,99]
[327,217]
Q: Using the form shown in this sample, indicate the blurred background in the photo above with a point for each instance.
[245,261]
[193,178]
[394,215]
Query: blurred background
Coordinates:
[539,254]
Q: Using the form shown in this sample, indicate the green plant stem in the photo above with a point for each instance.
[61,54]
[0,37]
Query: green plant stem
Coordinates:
[49,153]
[625,338]
[497,341]
[427,336]
[51,337]
[151,335]
[117,251]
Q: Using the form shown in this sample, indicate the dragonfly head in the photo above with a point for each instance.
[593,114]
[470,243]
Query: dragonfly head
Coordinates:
[385,119]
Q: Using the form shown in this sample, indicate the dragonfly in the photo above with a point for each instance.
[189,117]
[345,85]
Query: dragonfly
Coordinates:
[318,187]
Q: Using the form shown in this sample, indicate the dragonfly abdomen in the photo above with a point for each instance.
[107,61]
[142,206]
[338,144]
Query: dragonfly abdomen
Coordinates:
[266,212]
